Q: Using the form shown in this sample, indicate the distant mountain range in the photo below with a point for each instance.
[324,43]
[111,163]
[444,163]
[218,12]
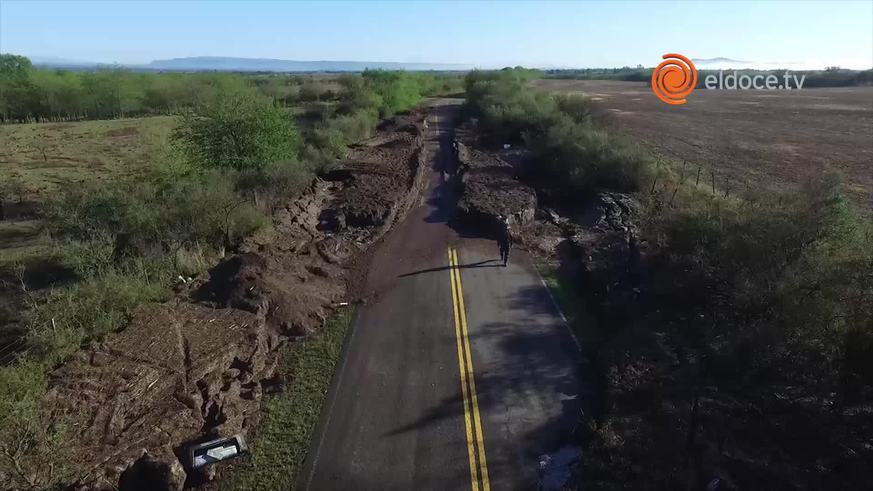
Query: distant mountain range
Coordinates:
[719,59]
[272,65]
[231,64]
[227,64]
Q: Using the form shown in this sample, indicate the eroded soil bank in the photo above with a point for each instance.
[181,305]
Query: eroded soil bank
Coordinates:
[197,367]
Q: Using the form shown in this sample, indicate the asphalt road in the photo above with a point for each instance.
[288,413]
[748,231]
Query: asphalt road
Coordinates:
[453,377]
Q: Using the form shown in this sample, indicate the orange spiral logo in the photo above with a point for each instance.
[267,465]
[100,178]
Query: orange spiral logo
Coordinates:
[674,79]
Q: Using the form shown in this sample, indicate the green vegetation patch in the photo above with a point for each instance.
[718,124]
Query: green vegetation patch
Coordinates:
[45,157]
[279,447]
[572,156]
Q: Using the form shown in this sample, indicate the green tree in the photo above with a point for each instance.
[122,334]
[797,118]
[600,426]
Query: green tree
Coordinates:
[16,94]
[59,93]
[238,130]
[399,91]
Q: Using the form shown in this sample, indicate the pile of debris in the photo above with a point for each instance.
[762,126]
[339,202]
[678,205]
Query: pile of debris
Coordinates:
[602,249]
[371,185]
[491,187]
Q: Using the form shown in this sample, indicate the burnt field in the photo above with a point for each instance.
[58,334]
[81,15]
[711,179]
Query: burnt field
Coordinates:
[749,138]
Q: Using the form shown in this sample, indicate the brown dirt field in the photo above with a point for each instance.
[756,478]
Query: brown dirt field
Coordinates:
[749,138]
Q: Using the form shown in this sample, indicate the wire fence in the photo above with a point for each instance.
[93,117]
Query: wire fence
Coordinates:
[671,178]
[12,351]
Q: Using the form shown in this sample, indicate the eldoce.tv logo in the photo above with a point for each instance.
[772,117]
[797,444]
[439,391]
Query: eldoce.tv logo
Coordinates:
[674,79]
[744,81]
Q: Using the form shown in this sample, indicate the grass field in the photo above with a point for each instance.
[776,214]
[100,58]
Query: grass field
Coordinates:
[749,138]
[43,156]
[38,159]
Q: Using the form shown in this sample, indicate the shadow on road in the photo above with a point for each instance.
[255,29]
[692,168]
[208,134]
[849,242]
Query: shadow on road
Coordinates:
[529,356]
[490,263]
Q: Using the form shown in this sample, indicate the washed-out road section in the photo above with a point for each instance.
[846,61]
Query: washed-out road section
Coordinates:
[414,386]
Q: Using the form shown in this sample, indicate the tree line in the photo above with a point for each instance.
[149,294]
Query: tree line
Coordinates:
[829,77]
[32,94]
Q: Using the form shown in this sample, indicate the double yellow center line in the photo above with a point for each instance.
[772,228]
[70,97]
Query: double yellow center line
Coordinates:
[472,420]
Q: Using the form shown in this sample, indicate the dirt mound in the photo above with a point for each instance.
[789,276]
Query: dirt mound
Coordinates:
[603,250]
[376,176]
[491,188]
[175,372]
[233,283]
[293,297]
[402,123]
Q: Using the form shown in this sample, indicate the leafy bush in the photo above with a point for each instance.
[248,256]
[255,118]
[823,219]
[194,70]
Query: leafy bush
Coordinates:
[754,305]
[143,219]
[788,277]
[29,93]
[309,92]
[577,107]
[385,93]
[356,126]
[238,129]
[576,157]
[278,181]
[398,91]
[571,155]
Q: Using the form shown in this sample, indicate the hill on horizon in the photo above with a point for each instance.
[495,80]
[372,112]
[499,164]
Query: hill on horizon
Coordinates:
[235,64]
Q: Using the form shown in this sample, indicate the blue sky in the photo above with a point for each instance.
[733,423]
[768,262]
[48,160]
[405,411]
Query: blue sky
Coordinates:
[578,34]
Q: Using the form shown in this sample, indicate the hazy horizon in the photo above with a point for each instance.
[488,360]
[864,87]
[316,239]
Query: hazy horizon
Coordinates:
[540,34]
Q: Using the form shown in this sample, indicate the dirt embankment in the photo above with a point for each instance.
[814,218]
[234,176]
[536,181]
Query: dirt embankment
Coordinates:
[373,183]
[197,367]
[490,185]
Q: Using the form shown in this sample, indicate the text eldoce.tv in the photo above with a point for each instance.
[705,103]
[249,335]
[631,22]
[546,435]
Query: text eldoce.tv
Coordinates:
[745,81]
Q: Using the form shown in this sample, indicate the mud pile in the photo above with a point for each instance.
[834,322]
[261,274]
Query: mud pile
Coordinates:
[491,188]
[175,372]
[373,181]
[196,368]
[602,248]
[366,198]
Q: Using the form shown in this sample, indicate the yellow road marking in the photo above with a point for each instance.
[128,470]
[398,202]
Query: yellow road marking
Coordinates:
[471,451]
[465,360]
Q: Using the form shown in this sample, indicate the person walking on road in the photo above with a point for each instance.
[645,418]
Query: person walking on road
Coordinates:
[504,238]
